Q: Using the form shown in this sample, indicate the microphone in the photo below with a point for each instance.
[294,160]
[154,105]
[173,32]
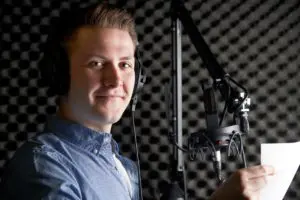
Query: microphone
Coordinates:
[212,124]
[215,137]
[210,106]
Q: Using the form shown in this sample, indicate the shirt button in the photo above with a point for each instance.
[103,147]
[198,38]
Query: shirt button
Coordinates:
[106,140]
[95,151]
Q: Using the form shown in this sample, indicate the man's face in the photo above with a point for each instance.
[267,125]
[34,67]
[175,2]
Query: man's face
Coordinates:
[102,74]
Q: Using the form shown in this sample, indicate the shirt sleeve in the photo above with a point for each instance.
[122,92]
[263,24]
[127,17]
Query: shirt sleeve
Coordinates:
[39,172]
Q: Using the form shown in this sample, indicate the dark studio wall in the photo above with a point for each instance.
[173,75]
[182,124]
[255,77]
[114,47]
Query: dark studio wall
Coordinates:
[256,41]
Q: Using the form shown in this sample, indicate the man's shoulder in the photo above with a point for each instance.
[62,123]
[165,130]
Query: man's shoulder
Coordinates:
[39,155]
[42,146]
[37,164]
[42,142]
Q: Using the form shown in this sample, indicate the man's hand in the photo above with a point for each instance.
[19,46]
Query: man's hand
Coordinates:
[244,184]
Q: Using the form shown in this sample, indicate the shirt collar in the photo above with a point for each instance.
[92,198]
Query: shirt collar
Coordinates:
[80,135]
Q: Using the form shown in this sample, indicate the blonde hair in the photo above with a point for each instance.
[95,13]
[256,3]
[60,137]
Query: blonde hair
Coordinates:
[108,16]
[103,15]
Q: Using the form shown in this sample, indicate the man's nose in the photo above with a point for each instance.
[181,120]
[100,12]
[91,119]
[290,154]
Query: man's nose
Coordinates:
[112,75]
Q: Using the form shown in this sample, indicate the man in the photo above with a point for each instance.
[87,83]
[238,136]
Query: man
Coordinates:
[76,157]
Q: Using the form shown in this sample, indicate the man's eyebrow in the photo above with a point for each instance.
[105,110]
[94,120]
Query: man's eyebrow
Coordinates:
[96,55]
[105,58]
[127,58]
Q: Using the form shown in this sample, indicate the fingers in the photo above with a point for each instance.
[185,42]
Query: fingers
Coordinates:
[253,179]
[252,188]
[258,171]
[256,184]
[245,183]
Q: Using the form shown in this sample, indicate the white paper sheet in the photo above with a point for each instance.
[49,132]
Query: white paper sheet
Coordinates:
[284,157]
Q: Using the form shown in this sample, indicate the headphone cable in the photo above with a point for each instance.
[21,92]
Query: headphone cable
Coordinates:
[137,156]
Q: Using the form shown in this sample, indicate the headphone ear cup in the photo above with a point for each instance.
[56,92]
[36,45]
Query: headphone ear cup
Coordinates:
[140,77]
[54,69]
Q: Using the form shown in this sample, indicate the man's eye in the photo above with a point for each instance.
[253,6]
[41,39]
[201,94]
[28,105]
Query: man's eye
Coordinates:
[126,65]
[95,64]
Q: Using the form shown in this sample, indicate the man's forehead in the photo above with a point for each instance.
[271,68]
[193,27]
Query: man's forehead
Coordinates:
[102,33]
[96,38]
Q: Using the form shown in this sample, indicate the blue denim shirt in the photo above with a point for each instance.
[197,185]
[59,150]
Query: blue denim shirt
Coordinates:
[69,161]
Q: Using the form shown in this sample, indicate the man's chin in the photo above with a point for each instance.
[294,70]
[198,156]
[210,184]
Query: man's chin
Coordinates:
[108,118]
[111,119]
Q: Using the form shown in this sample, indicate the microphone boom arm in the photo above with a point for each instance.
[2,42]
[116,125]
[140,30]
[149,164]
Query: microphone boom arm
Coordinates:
[180,16]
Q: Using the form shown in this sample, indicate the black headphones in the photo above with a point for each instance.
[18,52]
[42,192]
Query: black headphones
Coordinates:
[54,65]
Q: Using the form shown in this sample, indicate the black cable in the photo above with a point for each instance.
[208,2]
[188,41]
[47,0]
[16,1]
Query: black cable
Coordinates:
[242,151]
[217,164]
[241,147]
[243,154]
[231,141]
[179,147]
[137,156]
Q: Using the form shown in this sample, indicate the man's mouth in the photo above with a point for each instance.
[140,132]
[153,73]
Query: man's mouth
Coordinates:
[110,96]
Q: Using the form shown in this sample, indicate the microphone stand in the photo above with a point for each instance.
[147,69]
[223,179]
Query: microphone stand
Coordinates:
[176,190]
